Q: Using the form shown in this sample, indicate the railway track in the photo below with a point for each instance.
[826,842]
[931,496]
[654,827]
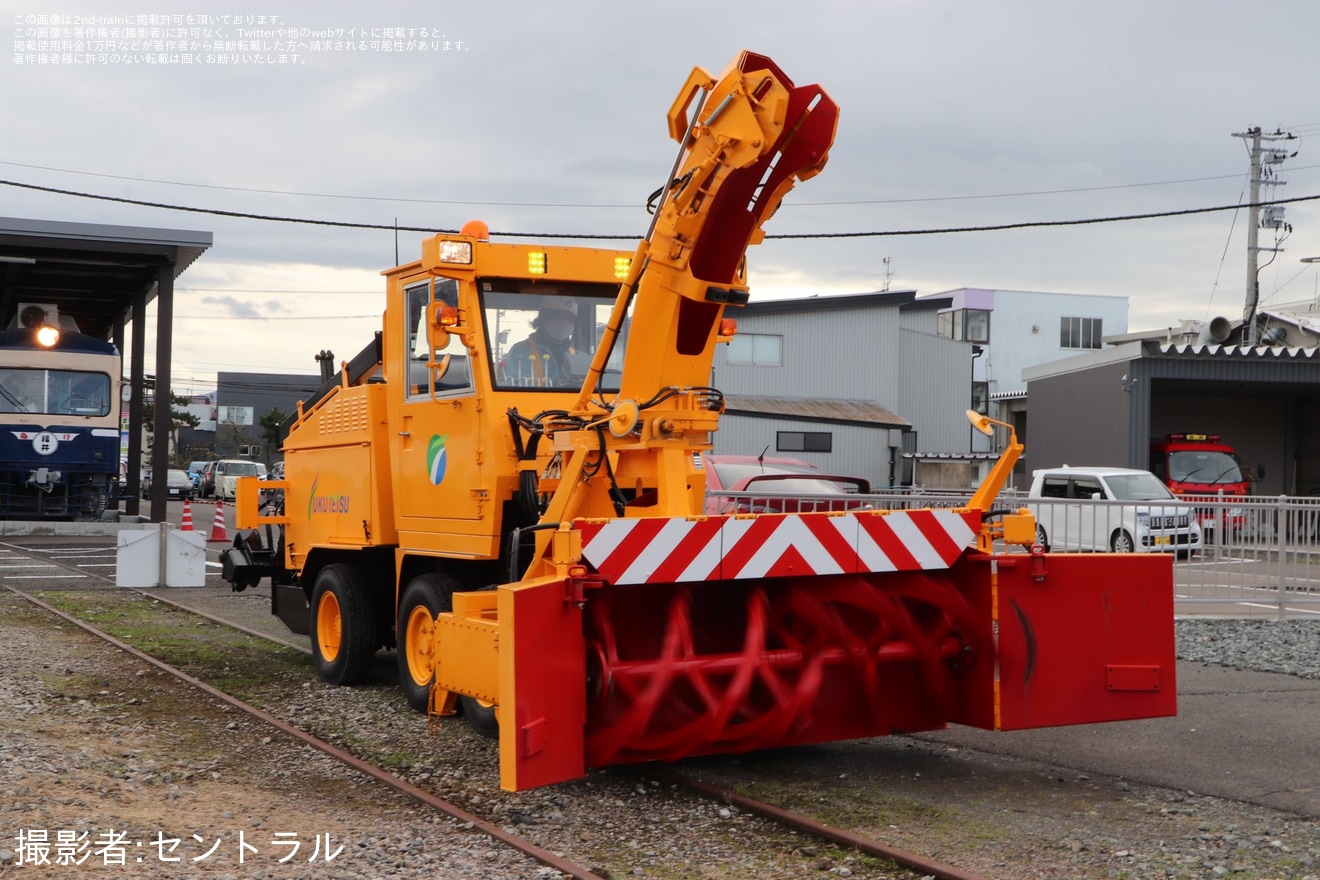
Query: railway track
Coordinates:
[882,860]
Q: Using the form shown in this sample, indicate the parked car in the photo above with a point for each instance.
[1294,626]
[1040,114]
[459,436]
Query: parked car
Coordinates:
[206,480]
[226,472]
[178,484]
[1120,510]
[789,485]
[195,471]
[273,498]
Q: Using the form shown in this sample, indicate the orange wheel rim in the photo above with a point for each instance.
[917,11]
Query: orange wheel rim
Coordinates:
[420,645]
[329,627]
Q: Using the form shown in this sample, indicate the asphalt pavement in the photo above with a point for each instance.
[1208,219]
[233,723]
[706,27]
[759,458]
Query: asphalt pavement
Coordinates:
[1252,736]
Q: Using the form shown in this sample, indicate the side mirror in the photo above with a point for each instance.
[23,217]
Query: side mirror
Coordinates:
[442,322]
[1095,496]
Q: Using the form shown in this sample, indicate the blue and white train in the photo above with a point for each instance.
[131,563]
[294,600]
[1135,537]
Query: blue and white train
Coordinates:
[59,419]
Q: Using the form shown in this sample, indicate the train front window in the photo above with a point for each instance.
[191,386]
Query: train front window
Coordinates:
[543,335]
[54,392]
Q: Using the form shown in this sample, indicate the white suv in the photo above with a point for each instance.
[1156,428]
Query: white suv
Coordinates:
[1120,510]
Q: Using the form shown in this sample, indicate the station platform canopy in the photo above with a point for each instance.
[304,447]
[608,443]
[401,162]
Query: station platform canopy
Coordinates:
[93,272]
[103,277]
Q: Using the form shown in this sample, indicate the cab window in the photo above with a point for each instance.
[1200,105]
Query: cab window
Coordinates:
[54,392]
[544,335]
[456,377]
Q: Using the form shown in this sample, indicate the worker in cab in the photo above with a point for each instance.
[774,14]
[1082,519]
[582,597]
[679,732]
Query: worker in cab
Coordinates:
[544,357]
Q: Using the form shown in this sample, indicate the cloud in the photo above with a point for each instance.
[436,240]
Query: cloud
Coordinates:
[235,307]
[953,115]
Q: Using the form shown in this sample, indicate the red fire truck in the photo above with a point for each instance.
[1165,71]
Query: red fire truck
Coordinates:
[1199,466]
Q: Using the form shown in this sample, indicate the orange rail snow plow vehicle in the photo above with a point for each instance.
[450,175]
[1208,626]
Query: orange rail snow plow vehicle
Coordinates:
[522,519]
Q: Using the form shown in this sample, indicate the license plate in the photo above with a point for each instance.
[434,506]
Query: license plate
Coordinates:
[1161,540]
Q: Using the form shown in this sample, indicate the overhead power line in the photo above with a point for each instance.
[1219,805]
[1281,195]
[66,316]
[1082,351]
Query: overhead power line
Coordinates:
[606,205]
[1036,224]
[1028,224]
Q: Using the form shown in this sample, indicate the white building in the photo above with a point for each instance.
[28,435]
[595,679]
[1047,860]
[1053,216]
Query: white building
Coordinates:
[1016,329]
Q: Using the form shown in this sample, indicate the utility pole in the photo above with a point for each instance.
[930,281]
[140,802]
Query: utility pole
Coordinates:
[1262,174]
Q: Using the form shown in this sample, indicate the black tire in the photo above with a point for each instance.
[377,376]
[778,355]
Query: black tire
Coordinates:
[1041,538]
[1121,542]
[343,648]
[427,594]
[480,716]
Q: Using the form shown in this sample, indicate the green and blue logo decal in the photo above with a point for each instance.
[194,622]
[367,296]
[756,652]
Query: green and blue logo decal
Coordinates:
[436,458]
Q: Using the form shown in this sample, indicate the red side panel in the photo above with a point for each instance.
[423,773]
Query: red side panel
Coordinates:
[1090,640]
[543,685]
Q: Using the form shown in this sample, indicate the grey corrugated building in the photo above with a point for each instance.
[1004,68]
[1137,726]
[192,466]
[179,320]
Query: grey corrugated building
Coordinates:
[1103,408]
[850,383]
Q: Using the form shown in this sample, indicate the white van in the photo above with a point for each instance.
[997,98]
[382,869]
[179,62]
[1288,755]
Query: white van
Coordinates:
[227,472]
[1119,510]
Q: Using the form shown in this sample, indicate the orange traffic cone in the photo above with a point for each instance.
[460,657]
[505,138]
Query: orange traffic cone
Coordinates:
[187,516]
[218,527]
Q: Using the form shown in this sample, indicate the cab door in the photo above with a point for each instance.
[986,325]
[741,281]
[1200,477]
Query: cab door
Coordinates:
[440,431]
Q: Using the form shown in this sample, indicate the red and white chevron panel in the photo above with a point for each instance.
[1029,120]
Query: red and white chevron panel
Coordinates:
[677,550]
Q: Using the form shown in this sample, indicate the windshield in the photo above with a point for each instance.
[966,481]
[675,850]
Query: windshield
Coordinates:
[1137,487]
[542,335]
[1201,466]
[55,392]
[243,469]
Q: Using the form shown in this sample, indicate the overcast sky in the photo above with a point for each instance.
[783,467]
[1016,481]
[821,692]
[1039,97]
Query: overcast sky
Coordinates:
[550,117]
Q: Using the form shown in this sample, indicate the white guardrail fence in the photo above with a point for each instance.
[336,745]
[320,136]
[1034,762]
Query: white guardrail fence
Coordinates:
[1248,557]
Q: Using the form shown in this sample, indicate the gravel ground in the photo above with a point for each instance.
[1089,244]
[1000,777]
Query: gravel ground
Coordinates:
[1291,647]
[99,743]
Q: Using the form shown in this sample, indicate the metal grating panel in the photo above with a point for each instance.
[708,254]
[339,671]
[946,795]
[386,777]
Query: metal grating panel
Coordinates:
[345,415]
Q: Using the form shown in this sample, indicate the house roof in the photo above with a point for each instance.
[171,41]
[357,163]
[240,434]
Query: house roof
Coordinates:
[903,299]
[849,412]
[1240,352]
